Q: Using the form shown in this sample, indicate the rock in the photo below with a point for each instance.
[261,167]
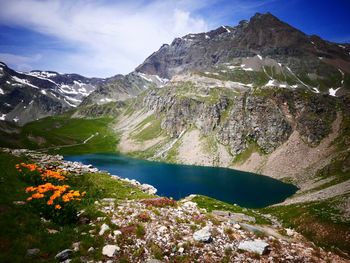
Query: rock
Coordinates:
[108,200]
[103,229]
[76,246]
[110,250]
[117,232]
[290,232]
[64,255]
[233,217]
[19,202]
[33,251]
[162,229]
[237,226]
[52,231]
[91,249]
[181,250]
[153,261]
[255,246]
[149,189]
[203,235]
[189,205]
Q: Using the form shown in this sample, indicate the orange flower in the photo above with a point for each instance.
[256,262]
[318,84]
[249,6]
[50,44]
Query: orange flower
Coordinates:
[58,207]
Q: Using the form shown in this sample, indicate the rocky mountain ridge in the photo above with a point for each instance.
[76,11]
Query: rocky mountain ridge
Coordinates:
[29,96]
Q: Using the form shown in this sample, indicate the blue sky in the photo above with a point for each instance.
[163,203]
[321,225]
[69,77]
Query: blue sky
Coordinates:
[102,38]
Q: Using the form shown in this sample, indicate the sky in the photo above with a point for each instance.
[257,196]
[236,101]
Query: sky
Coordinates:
[103,38]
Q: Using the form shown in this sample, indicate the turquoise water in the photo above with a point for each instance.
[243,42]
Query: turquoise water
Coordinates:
[177,181]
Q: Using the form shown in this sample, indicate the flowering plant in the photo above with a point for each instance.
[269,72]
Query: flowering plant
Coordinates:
[52,198]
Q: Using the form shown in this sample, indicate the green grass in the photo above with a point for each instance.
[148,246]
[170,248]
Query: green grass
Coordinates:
[22,229]
[211,204]
[149,132]
[51,132]
[253,147]
[320,222]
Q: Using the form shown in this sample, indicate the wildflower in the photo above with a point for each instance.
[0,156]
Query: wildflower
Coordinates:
[58,207]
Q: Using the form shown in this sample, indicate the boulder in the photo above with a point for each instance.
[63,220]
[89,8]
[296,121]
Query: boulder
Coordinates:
[110,250]
[255,246]
[33,251]
[64,255]
[203,235]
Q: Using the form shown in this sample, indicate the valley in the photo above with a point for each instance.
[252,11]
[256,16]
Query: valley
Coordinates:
[261,97]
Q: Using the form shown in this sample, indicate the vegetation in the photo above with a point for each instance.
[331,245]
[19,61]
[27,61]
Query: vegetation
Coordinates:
[321,222]
[253,147]
[65,135]
[23,228]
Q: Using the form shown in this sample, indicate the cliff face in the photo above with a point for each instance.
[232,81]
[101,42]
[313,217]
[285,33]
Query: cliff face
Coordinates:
[266,117]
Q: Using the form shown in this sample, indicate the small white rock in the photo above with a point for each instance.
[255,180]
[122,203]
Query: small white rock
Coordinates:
[110,250]
[103,229]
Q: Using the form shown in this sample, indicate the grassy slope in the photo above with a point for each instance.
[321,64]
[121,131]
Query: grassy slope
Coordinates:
[63,130]
[321,222]
[22,229]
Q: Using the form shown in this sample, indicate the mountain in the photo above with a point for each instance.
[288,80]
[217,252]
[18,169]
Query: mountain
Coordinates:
[25,97]
[264,35]
[261,96]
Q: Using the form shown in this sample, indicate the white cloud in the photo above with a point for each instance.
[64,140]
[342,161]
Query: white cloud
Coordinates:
[21,63]
[107,38]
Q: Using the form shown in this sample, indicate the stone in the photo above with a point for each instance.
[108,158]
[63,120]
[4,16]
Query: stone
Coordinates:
[290,232]
[117,232]
[33,251]
[153,261]
[91,249]
[64,255]
[76,246]
[203,235]
[103,229]
[52,231]
[181,250]
[19,202]
[110,250]
[236,226]
[256,246]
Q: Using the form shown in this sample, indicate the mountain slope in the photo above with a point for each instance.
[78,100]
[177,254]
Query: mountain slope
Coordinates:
[29,96]
[263,35]
[261,97]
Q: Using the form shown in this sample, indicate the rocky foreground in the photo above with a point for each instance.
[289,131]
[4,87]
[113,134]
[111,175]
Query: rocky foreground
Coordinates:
[163,230]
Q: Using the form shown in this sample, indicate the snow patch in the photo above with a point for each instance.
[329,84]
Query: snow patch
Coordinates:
[106,100]
[283,86]
[24,82]
[279,64]
[332,91]
[44,74]
[2,91]
[2,117]
[315,90]
[270,83]
[228,30]
[15,119]
[70,104]
[343,47]
[207,37]
[43,92]
[260,57]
